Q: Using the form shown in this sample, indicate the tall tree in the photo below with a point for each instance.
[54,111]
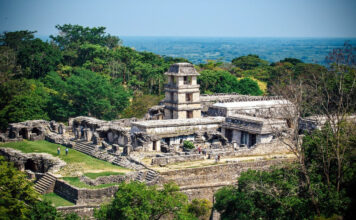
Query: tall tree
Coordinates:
[37,58]
[17,39]
[16,193]
[72,35]
[248,62]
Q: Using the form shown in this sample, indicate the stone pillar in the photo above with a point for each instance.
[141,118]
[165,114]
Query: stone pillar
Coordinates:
[150,146]
[81,133]
[236,136]
[110,137]
[61,129]
[89,134]
[158,146]
[127,149]
[223,131]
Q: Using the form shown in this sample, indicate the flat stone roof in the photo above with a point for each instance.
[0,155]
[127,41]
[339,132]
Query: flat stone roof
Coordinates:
[252,104]
[178,122]
[258,120]
[182,69]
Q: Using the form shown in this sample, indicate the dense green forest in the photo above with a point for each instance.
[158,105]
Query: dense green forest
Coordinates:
[81,71]
[85,71]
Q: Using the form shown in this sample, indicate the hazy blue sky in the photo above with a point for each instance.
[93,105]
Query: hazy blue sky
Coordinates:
[234,18]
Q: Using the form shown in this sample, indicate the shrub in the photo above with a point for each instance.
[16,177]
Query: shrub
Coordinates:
[188,145]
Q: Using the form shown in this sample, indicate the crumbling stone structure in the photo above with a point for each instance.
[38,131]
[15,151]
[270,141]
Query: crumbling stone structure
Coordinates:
[30,130]
[35,162]
[231,121]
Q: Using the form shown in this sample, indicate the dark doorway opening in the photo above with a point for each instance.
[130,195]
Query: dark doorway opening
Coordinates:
[244,138]
[172,117]
[36,131]
[167,140]
[228,134]
[154,147]
[252,140]
[23,133]
[30,165]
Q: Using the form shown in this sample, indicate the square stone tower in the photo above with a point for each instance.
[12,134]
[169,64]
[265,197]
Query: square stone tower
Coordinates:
[182,95]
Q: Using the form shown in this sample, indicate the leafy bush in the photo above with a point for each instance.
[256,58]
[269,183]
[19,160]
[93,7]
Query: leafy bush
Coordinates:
[200,208]
[188,145]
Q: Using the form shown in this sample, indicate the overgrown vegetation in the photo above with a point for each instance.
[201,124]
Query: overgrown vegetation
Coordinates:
[19,200]
[81,71]
[136,200]
[188,145]
[321,182]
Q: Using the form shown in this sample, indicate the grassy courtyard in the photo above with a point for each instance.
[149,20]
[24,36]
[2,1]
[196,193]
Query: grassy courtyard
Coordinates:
[106,173]
[56,200]
[75,181]
[77,162]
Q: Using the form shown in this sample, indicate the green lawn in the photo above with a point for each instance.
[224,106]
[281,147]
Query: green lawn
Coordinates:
[106,173]
[56,200]
[74,181]
[77,162]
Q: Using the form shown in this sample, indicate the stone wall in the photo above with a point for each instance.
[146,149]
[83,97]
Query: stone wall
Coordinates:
[176,159]
[104,179]
[81,210]
[84,196]
[203,182]
[274,147]
[66,191]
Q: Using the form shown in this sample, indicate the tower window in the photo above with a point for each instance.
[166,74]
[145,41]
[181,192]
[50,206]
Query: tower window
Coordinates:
[172,96]
[188,97]
[173,80]
[189,114]
[187,80]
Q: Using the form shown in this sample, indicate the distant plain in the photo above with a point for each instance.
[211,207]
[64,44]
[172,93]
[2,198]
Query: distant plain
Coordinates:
[201,49]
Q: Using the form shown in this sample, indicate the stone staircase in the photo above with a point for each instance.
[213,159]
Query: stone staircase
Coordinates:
[124,162]
[151,176]
[147,177]
[44,184]
[84,147]
[139,176]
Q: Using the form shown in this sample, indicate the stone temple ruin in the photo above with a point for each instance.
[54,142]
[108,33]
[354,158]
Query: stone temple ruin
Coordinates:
[226,125]
[217,124]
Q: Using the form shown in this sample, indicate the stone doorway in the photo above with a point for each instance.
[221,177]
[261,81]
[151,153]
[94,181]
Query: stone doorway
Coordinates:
[23,133]
[228,134]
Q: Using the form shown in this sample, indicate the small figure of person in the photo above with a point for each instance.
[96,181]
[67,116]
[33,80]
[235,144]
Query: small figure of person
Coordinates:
[216,158]
[199,150]
[67,151]
[58,150]
[219,158]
